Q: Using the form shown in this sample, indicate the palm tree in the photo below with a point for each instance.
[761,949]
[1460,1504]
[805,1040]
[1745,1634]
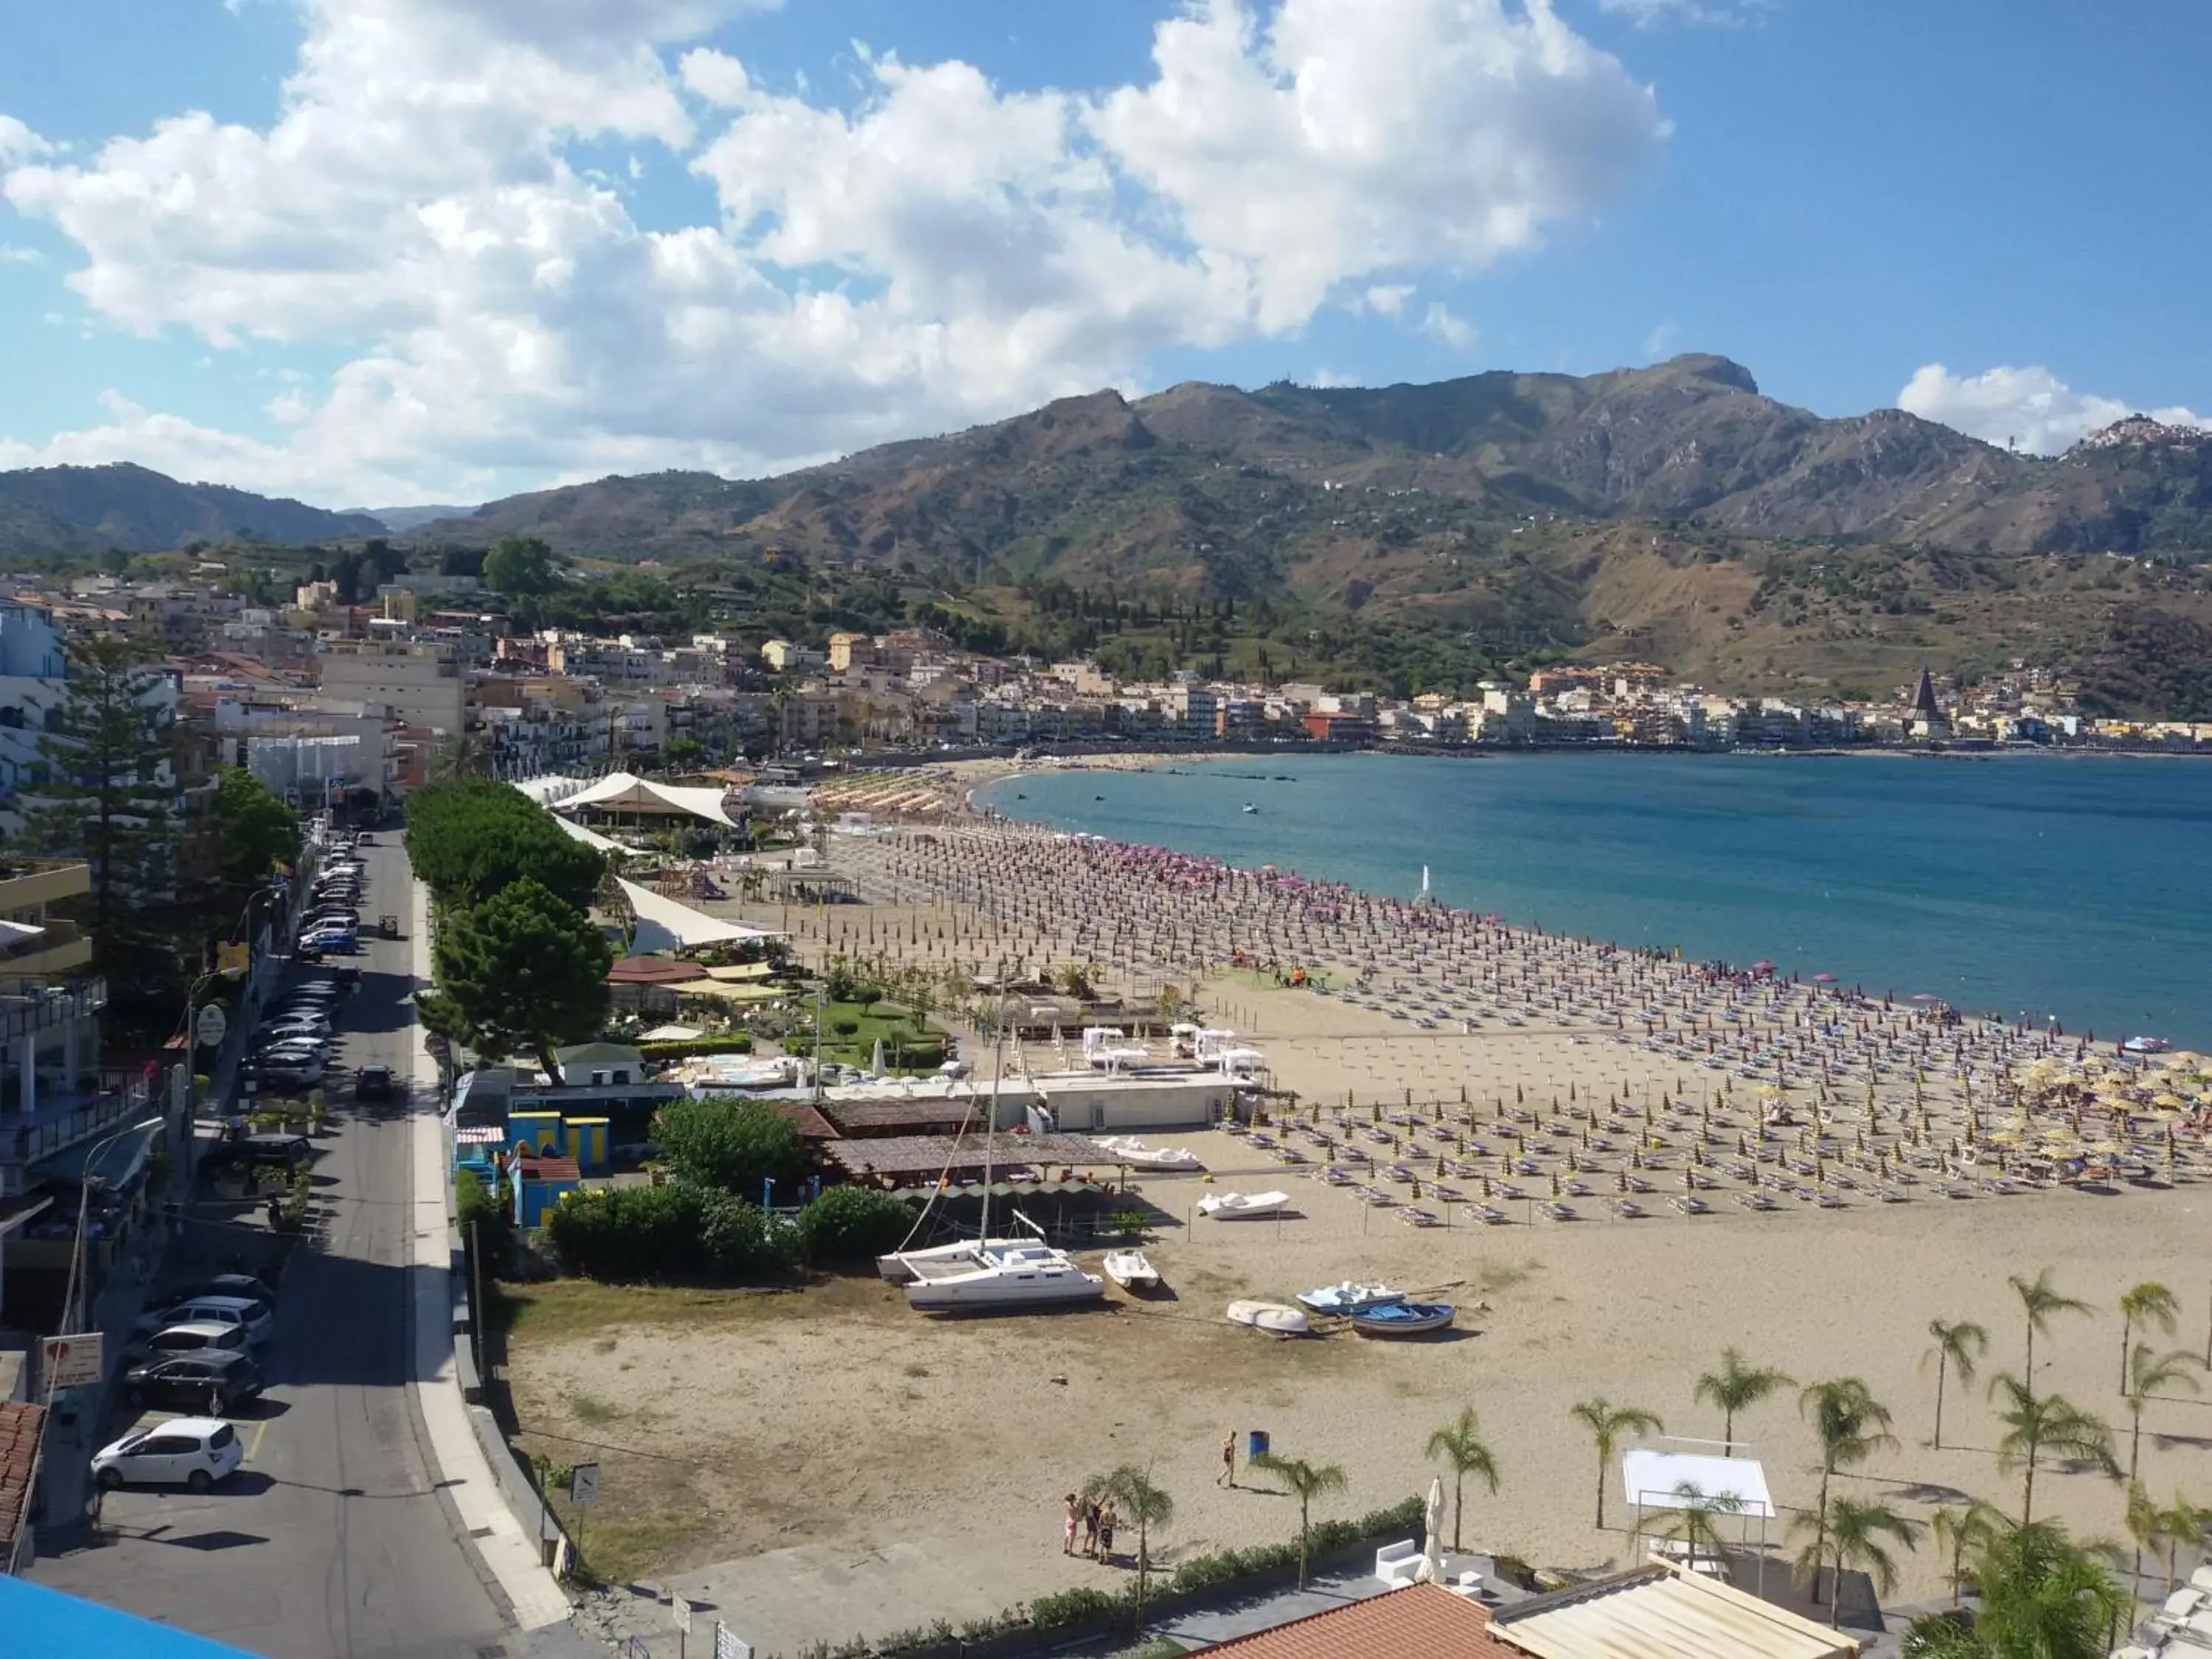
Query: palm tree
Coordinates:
[2144,1521]
[1853,1532]
[2041,1594]
[1957,1531]
[2181,1521]
[1140,1503]
[1607,1423]
[2033,1427]
[2149,1303]
[1736,1387]
[1692,1521]
[1959,1348]
[1851,1425]
[2040,1300]
[1306,1482]
[2147,1374]
[1463,1449]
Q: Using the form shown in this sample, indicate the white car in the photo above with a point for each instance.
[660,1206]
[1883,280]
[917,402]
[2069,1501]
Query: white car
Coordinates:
[254,1316]
[185,1451]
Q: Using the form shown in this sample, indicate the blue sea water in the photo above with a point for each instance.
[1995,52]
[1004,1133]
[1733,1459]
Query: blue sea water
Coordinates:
[2039,885]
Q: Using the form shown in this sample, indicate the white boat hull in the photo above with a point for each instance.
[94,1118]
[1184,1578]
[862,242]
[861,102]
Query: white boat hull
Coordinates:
[1243,1206]
[1138,1156]
[1274,1316]
[901,1268]
[1130,1271]
[1000,1278]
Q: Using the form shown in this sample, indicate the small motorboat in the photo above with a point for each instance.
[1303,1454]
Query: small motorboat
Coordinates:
[1127,1149]
[1348,1298]
[1130,1270]
[1404,1318]
[1269,1317]
[1249,807]
[1242,1207]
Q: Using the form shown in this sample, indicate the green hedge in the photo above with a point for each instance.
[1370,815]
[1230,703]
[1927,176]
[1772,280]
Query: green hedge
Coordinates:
[678,1230]
[849,1225]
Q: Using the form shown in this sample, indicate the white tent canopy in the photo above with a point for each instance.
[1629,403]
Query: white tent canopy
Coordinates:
[593,838]
[1649,1478]
[665,925]
[624,792]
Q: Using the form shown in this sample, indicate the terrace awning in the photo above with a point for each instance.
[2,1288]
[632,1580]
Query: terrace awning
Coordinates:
[665,925]
[624,792]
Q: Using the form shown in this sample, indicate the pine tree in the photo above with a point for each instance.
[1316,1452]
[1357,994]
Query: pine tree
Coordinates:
[109,795]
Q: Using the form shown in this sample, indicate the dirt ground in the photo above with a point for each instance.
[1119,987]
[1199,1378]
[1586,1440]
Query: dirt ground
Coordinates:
[728,1425]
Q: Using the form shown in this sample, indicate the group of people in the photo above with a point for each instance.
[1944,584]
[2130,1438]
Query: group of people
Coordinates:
[1089,1523]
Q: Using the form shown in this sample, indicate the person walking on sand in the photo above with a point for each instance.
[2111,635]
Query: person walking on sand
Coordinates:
[1228,1475]
[1106,1519]
[1090,1527]
[1067,1532]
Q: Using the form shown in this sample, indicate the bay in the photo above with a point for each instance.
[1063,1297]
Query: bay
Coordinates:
[2032,885]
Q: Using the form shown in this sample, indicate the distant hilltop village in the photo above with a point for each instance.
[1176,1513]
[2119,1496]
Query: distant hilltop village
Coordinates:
[322,699]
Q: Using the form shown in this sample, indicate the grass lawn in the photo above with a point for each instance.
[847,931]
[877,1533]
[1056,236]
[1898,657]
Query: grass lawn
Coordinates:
[886,1020]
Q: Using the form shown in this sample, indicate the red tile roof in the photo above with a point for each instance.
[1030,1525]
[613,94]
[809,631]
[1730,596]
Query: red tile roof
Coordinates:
[1421,1622]
[19,1443]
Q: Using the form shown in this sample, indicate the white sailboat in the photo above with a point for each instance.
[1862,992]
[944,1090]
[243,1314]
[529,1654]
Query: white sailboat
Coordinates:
[990,1272]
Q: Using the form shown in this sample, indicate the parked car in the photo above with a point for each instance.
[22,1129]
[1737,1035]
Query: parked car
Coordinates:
[254,1318]
[218,1379]
[343,944]
[244,1284]
[191,1338]
[188,1451]
[312,1027]
[265,1150]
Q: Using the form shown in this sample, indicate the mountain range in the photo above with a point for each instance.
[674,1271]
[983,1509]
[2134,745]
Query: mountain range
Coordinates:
[1691,440]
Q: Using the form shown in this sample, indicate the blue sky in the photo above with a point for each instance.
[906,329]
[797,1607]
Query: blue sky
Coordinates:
[401,250]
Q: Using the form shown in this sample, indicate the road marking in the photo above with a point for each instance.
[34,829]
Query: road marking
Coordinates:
[253,1448]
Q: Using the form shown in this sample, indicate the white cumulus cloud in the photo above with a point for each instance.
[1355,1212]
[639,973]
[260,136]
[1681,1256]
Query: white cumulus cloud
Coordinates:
[940,251]
[2031,407]
[1441,324]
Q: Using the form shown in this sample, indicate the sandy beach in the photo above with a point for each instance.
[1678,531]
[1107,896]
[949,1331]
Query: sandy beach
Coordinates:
[1904,1160]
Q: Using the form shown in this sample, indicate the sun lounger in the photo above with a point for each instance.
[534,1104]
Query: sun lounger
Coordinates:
[1412,1216]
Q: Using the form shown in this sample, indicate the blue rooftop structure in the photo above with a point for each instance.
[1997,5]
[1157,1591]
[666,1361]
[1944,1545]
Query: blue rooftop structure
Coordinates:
[42,1620]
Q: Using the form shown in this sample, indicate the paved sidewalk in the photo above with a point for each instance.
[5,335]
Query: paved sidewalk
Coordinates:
[509,1553]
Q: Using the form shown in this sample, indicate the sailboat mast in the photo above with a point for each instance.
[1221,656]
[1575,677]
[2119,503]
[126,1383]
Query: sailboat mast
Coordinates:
[991,1122]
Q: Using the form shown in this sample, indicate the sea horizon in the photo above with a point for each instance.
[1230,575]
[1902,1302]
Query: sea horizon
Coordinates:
[2028,890]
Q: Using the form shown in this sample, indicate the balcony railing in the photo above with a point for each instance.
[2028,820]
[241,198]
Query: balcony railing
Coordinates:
[41,1010]
[69,1120]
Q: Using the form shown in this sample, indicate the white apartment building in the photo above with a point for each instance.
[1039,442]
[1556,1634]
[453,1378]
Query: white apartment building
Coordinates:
[419,683]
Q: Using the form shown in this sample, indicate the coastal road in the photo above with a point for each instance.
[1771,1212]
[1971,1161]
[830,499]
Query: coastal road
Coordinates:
[334,1541]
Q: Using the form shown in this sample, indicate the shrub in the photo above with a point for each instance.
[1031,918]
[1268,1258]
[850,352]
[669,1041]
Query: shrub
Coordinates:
[625,1233]
[853,1223]
[742,1240]
[1070,1607]
[482,1215]
[845,1028]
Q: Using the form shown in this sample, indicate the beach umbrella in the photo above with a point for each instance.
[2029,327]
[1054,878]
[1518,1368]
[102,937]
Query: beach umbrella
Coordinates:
[1431,1569]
